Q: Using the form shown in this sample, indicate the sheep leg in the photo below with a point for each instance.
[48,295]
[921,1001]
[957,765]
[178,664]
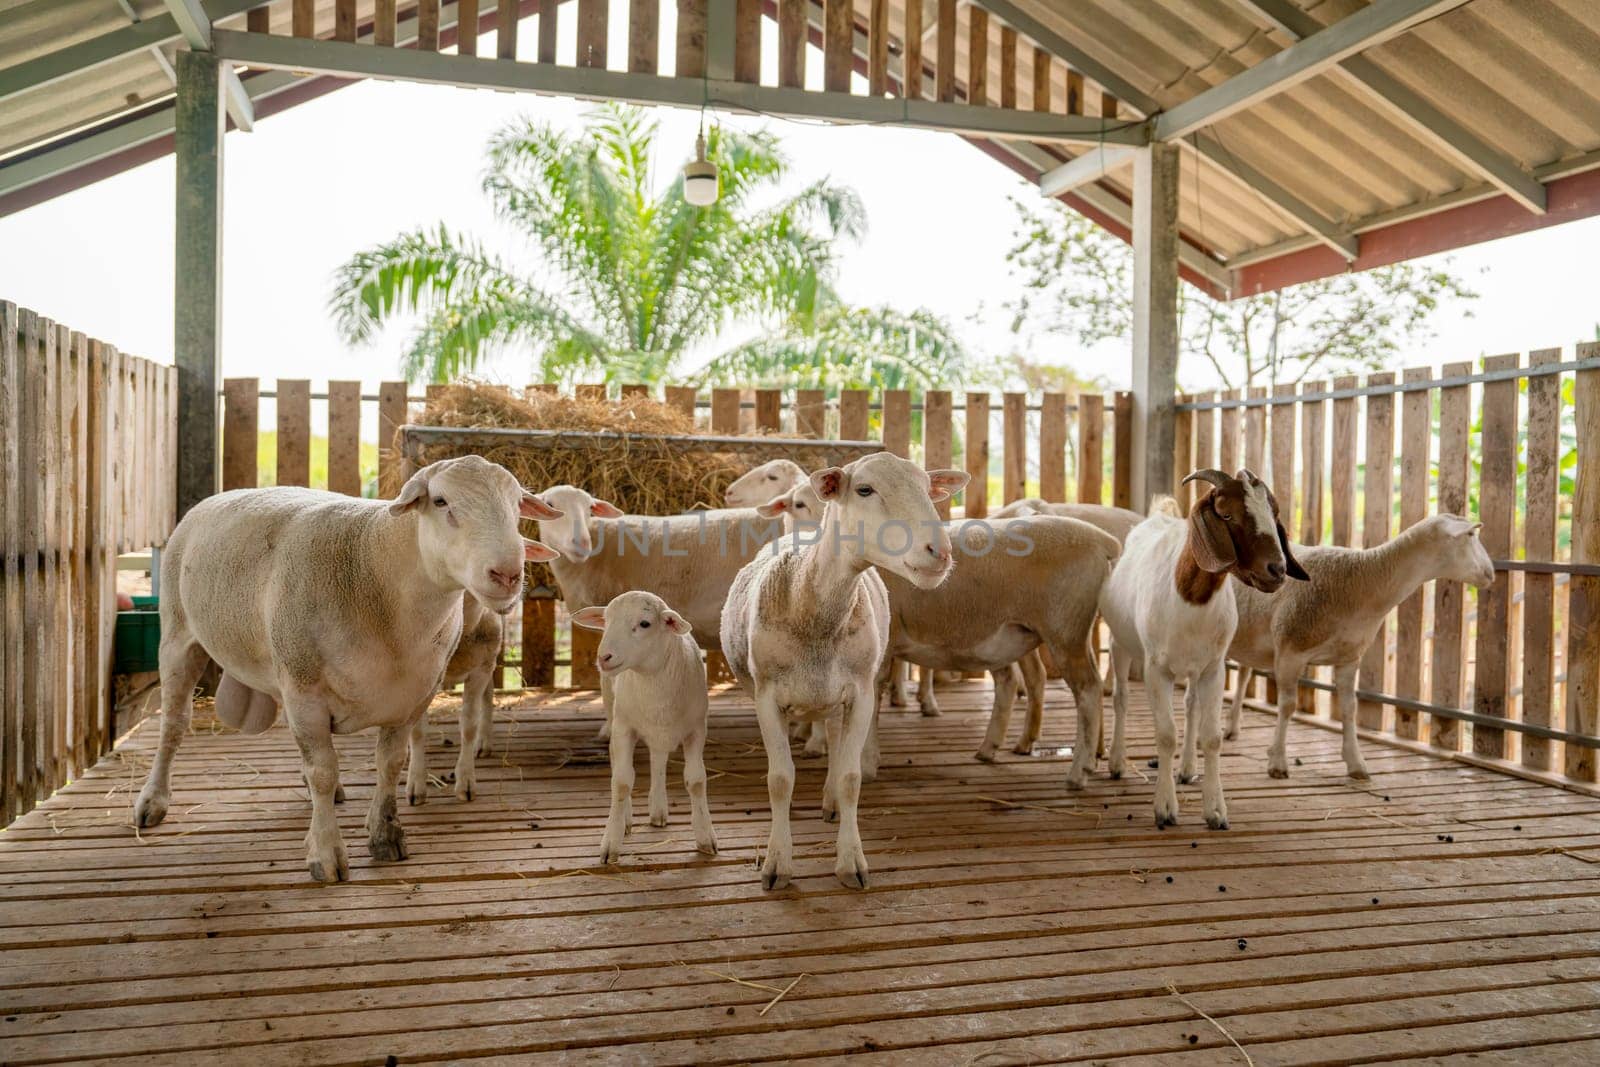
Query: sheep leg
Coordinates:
[869,751]
[606,698]
[417,772]
[1239,686]
[312,727]
[926,700]
[1158,685]
[182,663]
[816,740]
[618,821]
[658,785]
[850,862]
[1034,681]
[1083,678]
[486,715]
[897,684]
[830,785]
[1191,731]
[475,699]
[1205,697]
[386,839]
[1005,697]
[778,866]
[1120,662]
[1344,681]
[694,781]
[1277,754]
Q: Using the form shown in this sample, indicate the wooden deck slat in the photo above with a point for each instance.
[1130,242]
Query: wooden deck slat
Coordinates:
[986,929]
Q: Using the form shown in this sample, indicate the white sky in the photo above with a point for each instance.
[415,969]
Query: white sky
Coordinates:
[313,185]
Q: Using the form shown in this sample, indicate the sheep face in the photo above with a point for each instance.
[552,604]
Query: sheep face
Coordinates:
[1464,559]
[572,534]
[1235,528]
[640,631]
[467,512]
[766,482]
[884,507]
[800,508]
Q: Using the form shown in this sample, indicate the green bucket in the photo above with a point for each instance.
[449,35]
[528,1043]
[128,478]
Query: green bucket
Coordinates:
[136,643]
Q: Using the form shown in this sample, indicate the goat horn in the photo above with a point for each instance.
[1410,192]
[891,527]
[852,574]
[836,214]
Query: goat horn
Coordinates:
[1209,474]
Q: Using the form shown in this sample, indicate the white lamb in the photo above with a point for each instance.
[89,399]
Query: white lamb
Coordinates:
[806,631]
[659,687]
[1167,607]
[342,610]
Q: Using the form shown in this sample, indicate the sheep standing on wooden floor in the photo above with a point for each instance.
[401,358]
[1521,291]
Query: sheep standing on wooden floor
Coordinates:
[659,694]
[806,632]
[342,610]
[1330,620]
[471,666]
[1167,606]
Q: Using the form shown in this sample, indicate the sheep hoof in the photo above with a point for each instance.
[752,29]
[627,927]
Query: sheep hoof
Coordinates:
[1023,749]
[852,873]
[149,811]
[1164,820]
[810,753]
[930,710]
[389,844]
[464,792]
[604,733]
[1230,735]
[984,755]
[1153,764]
[1185,779]
[830,815]
[897,699]
[1277,772]
[1217,822]
[658,818]
[774,876]
[1114,775]
[1360,774]
[334,868]
[707,846]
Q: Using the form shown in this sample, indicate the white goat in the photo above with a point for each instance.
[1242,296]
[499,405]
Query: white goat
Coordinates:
[660,696]
[1330,620]
[806,631]
[1163,608]
[342,610]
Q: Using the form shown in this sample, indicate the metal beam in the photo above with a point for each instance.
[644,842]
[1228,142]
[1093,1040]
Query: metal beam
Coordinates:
[1372,25]
[1414,111]
[107,48]
[354,60]
[195,25]
[1311,220]
[197,321]
[1090,167]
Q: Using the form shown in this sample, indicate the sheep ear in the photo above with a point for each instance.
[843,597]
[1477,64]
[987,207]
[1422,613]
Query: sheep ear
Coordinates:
[1291,565]
[538,552]
[1209,540]
[830,483]
[943,484]
[605,509]
[411,494]
[533,506]
[773,508]
[674,622]
[590,618]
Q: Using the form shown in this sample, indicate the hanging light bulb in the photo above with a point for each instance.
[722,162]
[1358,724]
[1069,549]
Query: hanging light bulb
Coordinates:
[700,176]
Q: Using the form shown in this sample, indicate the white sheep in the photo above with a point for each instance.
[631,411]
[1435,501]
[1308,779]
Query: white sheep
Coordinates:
[806,631]
[471,666]
[760,484]
[1167,606]
[659,686]
[1330,620]
[342,610]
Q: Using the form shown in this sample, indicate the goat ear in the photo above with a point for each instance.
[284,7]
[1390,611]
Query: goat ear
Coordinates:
[674,622]
[943,484]
[773,508]
[538,551]
[830,483]
[605,509]
[1209,540]
[1291,565]
[532,506]
[411,494]
[590,618]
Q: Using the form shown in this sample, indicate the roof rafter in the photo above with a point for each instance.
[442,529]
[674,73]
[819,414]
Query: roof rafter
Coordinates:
[1434,126]
[1089,167]
[1308,218]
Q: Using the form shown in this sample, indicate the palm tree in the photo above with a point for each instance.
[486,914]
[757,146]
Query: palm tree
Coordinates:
[635,279]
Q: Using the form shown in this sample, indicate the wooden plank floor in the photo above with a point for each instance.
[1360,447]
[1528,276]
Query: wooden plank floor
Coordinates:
[1436,912]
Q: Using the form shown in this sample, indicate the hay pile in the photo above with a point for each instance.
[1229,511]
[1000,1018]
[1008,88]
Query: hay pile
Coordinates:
[637,470]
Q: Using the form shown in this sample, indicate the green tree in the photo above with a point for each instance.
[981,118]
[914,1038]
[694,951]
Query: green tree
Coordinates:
[1078,280]
[632,278]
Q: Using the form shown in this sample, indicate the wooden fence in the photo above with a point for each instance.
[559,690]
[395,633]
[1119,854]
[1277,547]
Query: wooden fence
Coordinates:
[1509,676]
[88,471]
[1065,438]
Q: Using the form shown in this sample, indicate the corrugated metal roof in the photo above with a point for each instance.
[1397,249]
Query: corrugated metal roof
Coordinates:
[1522,75]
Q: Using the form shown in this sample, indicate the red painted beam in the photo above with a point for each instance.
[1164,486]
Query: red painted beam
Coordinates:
[1569,199]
